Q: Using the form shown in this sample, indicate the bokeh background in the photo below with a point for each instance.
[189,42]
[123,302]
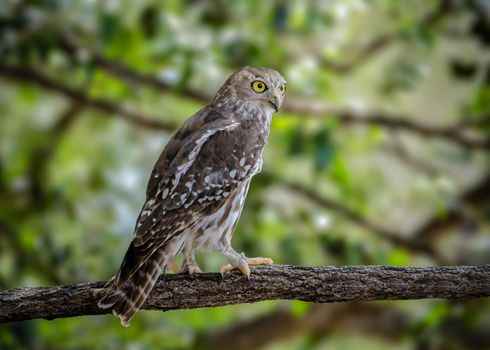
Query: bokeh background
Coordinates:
[379,156]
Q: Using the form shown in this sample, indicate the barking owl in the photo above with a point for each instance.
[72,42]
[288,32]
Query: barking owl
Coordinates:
[197,188]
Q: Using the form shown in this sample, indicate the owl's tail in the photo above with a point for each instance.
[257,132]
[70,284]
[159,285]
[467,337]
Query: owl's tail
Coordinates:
[127,299]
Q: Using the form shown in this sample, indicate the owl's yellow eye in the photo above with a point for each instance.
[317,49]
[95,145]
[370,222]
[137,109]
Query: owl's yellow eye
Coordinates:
[282,88]
[259,86]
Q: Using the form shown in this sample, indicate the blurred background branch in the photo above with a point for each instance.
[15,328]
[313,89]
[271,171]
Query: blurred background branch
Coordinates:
[79,97]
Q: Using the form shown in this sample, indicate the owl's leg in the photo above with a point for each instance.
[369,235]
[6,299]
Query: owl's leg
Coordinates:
[189,265]
[237,261]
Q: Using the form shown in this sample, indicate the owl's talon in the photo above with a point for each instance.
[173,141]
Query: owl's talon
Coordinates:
[191,269]
[245,270]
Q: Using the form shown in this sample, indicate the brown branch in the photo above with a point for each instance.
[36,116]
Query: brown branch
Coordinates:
[131,115]
[453,133]
[66,120]
[70,45]
[317,284]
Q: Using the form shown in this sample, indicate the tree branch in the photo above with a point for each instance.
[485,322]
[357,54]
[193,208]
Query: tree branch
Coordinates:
[130,114]
[316,284]
[454,133]
[70,45]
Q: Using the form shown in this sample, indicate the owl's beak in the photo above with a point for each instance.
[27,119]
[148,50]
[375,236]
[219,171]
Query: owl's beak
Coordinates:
[274,106]
[276,100]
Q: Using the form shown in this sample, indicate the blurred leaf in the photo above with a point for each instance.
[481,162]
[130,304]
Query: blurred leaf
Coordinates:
[323,149]
[479,105]
[297,141]
[399,257]
[149,21]
[463,70]
[401,76]
[108,26]
[437,314]
[241,52]
[333,245]
[317,143]
[299,308]
[481,27]
[340,173]
[420,35]
[214,14]
[280,17]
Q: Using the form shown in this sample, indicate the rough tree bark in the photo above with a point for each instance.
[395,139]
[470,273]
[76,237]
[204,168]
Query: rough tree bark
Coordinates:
[316,284]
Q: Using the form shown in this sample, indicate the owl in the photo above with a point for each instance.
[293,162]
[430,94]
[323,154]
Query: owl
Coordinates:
[197,188]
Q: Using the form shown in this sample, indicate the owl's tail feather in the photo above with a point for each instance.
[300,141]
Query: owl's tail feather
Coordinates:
[127,299]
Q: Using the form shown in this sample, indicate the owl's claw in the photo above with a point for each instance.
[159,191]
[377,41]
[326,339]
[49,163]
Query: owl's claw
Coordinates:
[229,267]
[191,269]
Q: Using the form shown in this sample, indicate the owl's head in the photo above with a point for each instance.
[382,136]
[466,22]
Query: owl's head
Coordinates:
[262,86]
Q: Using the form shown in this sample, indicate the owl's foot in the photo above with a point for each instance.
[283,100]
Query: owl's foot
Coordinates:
[191,269]
[244,266]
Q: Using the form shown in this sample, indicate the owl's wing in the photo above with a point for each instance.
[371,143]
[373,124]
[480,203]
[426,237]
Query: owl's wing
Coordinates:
[209,165]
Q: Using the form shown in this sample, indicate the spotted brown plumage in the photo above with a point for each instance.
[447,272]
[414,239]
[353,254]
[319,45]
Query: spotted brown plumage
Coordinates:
[198,186]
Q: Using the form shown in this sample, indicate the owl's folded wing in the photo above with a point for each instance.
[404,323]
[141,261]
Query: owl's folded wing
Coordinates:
[204,172]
